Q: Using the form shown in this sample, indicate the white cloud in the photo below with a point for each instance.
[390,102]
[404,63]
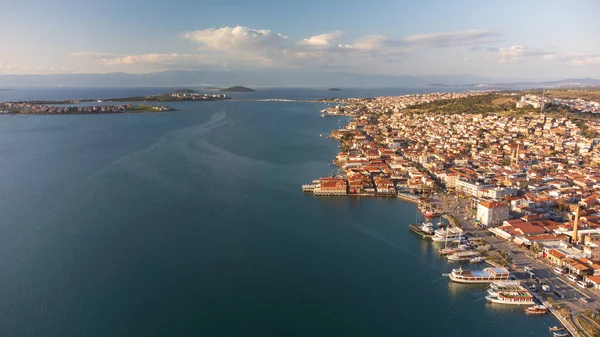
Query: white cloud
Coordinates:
[452,39]
[91,54]
[517,53]
[154,61]
[160,59]
[257,44]
[322,40]
[576,59]
[522,53]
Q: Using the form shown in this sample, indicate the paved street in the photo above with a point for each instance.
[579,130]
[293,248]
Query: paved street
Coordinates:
[571,293]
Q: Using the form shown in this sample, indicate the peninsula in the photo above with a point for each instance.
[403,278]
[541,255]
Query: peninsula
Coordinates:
[237,88]
[24,108]
[516,175]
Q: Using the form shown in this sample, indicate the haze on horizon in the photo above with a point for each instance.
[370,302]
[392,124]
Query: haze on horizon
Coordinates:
[532,40]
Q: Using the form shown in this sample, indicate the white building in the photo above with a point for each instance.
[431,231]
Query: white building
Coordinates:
[492,213]
[471,189]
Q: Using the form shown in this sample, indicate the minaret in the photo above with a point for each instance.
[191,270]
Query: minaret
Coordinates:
[576,225]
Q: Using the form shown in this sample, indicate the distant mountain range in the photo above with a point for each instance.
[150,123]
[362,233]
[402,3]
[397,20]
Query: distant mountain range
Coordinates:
[270,78]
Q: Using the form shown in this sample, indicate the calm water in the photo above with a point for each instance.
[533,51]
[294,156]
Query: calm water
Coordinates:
[192,223]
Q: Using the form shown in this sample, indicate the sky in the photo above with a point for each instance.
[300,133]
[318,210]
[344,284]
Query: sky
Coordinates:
[526,39]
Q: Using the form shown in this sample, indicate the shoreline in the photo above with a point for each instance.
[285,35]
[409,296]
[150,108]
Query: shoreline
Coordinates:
[374,165]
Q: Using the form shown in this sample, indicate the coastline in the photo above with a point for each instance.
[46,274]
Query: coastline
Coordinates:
[368,166]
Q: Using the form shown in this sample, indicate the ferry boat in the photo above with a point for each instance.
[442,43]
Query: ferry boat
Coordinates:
[509,292]
[500,286]
[447,234]
[536,310]
[487,275]
[512,297]
[463,256]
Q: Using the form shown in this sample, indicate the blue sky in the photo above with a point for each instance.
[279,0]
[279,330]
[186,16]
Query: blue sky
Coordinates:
[504,39]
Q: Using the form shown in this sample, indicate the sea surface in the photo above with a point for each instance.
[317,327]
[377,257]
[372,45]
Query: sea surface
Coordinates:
[192,223]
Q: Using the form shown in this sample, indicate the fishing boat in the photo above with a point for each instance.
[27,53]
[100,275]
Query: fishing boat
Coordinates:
[487,275]
[536,310]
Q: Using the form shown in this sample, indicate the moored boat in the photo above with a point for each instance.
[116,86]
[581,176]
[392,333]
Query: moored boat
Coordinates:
[561,334]
[463,256]
[476,259]
[487,275]
[447,234]
[425,229]
[556,328]
[536,310]
[512,298]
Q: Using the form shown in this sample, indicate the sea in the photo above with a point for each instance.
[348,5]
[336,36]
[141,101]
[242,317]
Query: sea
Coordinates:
[193,223]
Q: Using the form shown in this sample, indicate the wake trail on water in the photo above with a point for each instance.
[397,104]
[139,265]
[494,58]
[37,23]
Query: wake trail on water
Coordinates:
[373,233]
[134,162]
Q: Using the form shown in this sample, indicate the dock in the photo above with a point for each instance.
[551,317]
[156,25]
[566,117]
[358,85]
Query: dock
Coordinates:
[408,197]
[563,321]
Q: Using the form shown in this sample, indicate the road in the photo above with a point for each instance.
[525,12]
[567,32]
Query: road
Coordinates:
[567,292]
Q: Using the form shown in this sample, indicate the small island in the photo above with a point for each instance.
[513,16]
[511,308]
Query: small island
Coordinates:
[237,88]
[334,89]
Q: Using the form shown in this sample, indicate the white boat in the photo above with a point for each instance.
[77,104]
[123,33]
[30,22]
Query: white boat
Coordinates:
[447,234]
[512,297]
[536,310]
[463,256]
[500,286]
[476,259]
[427,227]
[451,250]
[487,275]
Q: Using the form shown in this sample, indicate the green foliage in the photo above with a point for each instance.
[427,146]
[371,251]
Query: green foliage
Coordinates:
[483,104]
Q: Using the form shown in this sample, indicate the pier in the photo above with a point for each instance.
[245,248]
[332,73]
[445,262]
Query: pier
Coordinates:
[570,328]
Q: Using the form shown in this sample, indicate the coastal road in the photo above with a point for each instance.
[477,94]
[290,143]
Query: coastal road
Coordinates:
[571,293]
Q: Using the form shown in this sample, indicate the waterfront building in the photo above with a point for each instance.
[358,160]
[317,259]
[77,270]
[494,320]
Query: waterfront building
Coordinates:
[491,213]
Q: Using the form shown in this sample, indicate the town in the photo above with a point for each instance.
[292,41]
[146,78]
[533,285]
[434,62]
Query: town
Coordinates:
[525,182]
[44,109]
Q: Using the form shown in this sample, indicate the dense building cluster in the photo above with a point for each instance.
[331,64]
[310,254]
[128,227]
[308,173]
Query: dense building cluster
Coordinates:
[524,175]
[43,109]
